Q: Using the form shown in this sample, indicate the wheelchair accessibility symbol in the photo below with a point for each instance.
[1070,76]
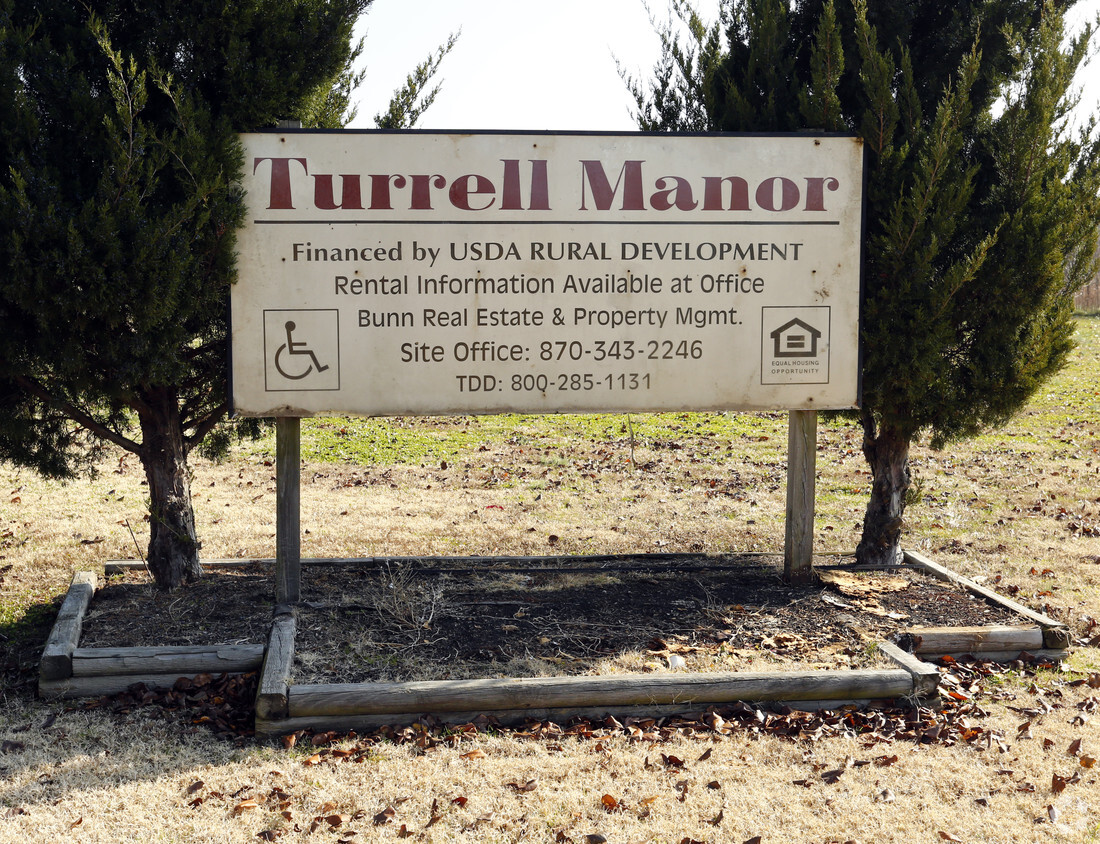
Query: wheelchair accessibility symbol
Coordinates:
[292,348]
[302,350]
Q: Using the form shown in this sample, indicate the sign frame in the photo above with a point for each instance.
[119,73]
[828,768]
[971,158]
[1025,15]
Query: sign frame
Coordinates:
[509,394]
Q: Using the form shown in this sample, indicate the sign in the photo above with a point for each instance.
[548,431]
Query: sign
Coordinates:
[388,273]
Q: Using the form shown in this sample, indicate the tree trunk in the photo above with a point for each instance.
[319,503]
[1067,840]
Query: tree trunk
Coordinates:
[887,453]
[173,547]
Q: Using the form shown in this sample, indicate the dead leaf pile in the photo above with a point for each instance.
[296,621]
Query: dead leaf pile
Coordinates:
[224,704]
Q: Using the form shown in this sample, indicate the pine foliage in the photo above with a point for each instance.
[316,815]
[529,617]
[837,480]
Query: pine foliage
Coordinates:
[981,204]
[119,203]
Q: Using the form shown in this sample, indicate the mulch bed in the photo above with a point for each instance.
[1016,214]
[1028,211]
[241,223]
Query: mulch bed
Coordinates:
[392,623]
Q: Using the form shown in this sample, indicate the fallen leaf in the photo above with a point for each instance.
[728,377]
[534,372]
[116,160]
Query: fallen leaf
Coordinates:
[525,788]
[717,819]
[1074,747]
[1087,761]
[76,823]
[383,817]
[476,753]
[195,786]
[610,804]
[947,836]
[486,818]
[594,838]
[706,755]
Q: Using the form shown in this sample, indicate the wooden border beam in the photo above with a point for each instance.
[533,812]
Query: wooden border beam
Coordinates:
[57,657]
[538,693]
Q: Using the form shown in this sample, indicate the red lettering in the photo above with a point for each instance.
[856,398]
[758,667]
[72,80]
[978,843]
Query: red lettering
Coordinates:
[678,196]
[351,197]
[540,190]
[422,191]
[380,191]
[765,194]
[630,177]
[815,194]
[472,184]
[511,198]
[712,193]
[279,197]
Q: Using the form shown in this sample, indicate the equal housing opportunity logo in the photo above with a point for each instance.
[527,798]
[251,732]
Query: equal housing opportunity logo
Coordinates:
[795,345]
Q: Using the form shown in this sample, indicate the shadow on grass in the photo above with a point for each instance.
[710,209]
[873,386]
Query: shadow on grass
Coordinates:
[23,634]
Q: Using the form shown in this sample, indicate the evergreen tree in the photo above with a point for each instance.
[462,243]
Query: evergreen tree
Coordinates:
[981,204]
[119,203]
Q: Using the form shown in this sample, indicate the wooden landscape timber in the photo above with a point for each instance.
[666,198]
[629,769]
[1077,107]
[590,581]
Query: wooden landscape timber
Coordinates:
[1056,636]
[57,656]
[933,641]
[282,706]
[271,699]
[926,677]
[69,671]
[511,701]
[113,684]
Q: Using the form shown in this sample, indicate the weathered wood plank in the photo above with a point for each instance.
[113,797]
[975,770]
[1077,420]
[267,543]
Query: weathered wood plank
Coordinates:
[96,686]
[529,693]
[282,726]
[798,548]
[926,678]
[975,640]
[57,656]
[271,698]
[182,661]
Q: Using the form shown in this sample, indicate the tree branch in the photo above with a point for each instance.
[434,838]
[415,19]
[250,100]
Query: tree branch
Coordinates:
[206,425]
[78,415]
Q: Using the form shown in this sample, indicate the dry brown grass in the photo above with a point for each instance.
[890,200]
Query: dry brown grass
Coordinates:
[1019,507]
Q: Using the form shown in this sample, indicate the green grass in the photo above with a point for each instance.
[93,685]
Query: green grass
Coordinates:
[425,440]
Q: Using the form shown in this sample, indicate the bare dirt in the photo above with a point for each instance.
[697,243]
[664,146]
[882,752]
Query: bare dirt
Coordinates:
[420,619]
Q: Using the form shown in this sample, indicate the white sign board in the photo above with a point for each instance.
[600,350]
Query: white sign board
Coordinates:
[388,273]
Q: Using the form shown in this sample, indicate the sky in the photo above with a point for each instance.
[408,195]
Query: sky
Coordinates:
[533,64]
